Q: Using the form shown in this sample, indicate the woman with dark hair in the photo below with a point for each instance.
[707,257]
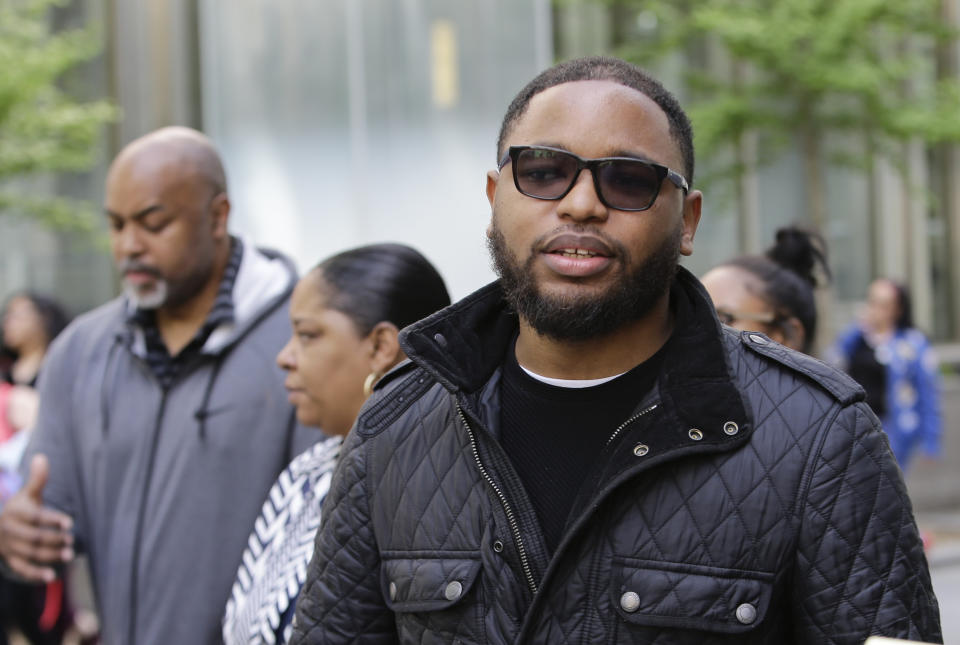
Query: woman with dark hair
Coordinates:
[30,322]
[346,315]
[28,325]
[896,365]
[773,293]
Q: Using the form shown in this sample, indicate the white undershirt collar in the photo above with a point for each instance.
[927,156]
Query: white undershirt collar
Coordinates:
[570,383]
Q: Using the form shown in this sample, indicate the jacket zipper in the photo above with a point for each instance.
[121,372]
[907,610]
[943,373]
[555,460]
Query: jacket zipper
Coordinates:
[137,536]
[629,421]
[511,518]
[525,627]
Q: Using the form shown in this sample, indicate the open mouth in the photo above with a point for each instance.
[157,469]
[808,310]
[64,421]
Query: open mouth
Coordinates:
[577,256]
[578,245]
[575,253]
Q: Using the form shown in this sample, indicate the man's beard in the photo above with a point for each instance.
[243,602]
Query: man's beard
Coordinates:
[144,296]
[152,297]
[566,318]
[161,292]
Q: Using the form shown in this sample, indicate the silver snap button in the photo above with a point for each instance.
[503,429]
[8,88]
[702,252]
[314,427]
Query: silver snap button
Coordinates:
[695,434]
[758,339]
[630,602]
[731,428]
[393,591]
[453,590]
[498,546]
[641,449]
[746,613]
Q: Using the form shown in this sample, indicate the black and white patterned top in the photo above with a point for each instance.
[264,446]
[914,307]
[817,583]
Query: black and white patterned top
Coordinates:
[274,564]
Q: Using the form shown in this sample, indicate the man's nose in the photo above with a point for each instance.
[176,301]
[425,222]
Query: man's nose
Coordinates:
[127,241]
[583,203]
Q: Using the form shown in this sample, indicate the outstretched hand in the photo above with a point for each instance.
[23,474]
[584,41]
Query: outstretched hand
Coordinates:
[35,539]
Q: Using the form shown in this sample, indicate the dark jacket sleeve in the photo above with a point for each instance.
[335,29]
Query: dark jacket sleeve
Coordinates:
[860,566]
[341,601]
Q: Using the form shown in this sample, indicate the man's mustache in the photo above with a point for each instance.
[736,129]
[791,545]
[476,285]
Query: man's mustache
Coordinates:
[133,266]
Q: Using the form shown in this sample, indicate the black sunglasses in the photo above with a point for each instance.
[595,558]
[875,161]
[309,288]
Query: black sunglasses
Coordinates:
[622,183]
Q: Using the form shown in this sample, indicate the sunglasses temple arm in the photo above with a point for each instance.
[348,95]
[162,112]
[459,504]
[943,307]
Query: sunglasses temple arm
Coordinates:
[678,180]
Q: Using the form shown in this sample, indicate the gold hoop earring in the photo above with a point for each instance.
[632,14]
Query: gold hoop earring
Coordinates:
[368,384]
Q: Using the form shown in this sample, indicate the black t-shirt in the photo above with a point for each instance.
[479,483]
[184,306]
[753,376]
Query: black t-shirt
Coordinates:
[866,370]
[554,435]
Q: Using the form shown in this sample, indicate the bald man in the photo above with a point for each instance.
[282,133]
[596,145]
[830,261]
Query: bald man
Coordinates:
[163,418]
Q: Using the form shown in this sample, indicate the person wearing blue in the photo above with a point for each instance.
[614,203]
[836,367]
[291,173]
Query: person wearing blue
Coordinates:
[896,365]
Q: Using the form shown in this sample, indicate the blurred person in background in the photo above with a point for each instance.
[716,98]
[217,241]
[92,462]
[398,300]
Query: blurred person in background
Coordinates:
[30,322]
[896,365]
[163,421]
[773,293]
[346,316]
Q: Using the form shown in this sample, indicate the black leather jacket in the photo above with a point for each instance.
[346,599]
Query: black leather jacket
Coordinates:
[752,499]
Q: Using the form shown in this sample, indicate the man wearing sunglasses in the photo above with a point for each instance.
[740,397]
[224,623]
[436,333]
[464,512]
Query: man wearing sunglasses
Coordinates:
[581,453]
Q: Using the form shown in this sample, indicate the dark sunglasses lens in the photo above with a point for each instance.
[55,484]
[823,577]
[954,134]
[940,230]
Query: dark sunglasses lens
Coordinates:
[546,174]
[628,184]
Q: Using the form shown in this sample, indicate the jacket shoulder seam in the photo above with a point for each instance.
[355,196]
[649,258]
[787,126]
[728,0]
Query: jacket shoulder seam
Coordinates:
[393,400]
[840,386]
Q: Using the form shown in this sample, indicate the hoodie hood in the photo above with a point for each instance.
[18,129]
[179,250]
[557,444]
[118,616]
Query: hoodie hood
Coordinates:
[264,281]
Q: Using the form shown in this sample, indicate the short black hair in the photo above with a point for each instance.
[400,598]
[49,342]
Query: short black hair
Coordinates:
[788,275]
[605,68]
[383,283]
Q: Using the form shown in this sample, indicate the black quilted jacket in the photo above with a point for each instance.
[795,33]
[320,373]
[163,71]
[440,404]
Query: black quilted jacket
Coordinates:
[751,499]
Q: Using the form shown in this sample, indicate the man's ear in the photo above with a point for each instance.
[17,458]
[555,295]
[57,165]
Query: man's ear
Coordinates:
[492,177]
[385,347]
[692,205]
[220,212]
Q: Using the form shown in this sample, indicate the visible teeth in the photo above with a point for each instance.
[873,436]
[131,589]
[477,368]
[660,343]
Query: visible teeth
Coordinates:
[577,253]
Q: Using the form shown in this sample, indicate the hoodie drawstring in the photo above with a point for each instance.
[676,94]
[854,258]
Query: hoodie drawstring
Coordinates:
[204,411]
[106,385]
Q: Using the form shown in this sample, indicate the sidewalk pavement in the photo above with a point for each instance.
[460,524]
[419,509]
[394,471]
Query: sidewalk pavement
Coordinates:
[935,485]
[941,532]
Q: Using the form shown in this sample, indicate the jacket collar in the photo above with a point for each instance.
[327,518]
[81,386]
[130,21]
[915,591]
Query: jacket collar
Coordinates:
[463,346]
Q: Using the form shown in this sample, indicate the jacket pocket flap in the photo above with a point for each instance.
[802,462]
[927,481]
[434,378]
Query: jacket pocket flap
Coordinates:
[427,583]
[686,596]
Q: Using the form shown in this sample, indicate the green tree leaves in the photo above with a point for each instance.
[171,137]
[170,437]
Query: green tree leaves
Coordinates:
[42,128]
[862,66]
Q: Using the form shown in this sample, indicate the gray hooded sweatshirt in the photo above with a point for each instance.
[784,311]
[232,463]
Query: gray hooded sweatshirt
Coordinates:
[164,486]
